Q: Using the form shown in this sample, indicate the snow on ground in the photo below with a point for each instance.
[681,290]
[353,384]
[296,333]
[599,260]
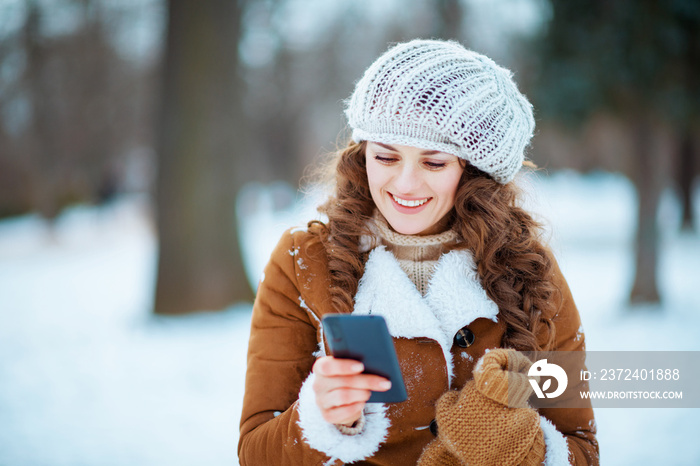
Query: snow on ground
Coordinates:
[89,377]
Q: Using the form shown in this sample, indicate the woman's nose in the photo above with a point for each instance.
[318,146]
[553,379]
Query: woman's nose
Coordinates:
[408,179]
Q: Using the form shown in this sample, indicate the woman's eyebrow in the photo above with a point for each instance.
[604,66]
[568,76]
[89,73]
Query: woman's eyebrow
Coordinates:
[386,146]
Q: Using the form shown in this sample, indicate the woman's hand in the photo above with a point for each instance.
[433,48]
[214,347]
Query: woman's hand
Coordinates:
[342,390]
[489,421]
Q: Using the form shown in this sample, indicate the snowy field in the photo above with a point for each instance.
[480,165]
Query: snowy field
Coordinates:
[88,376]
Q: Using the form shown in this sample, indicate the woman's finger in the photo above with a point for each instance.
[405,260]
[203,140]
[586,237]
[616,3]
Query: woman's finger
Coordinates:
[342,397]
[329,366]
[356,382]
[334,373]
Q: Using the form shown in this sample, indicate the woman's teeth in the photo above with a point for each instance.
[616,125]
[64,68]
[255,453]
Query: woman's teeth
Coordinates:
[406,203]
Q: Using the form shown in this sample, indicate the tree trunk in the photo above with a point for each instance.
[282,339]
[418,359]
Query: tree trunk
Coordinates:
[686,174]
[201,160]
[43,150]
[647,179]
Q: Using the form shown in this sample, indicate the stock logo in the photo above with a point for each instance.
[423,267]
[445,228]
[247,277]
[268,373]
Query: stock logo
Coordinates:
[545,371]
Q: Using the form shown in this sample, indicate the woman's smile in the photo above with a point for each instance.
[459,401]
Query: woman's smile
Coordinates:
[410,203]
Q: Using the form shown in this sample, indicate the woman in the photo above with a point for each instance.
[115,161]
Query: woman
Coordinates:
[424,229]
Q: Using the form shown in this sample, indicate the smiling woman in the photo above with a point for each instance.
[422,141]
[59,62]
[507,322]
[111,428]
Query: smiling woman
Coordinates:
[425,229]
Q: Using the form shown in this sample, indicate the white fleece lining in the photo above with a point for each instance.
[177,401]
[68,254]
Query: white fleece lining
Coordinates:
[455,298]
[556,448]
[321,343]
[455,293]
[325,437]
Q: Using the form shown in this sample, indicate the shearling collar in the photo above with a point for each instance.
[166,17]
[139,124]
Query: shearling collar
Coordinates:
[455,298]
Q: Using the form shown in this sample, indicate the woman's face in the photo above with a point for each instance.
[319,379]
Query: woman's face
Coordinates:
[414,189]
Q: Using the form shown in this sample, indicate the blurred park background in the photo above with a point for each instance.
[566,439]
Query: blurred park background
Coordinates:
[171,138]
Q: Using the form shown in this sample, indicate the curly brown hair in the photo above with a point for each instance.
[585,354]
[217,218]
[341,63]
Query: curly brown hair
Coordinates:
[514,266]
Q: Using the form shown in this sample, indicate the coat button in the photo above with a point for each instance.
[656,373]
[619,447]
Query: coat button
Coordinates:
[433,427]
[464,337]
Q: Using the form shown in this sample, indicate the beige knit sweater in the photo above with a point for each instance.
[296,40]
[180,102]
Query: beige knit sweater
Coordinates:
[417,255]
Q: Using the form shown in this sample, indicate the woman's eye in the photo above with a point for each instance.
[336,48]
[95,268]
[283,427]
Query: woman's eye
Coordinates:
[384,159]
[435,165]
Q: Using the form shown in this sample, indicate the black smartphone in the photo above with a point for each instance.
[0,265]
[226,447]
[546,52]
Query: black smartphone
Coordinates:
[366,338]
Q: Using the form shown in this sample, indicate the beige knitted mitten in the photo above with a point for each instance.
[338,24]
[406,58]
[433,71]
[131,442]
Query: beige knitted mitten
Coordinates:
[476,426]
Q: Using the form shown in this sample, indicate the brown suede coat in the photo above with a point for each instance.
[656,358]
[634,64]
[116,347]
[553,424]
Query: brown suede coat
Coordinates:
[292,298]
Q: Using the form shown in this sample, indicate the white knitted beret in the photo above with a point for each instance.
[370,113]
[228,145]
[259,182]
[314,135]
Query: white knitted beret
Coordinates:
[437,95]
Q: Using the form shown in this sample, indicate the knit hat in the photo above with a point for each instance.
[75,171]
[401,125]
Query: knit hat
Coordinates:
[437,95]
